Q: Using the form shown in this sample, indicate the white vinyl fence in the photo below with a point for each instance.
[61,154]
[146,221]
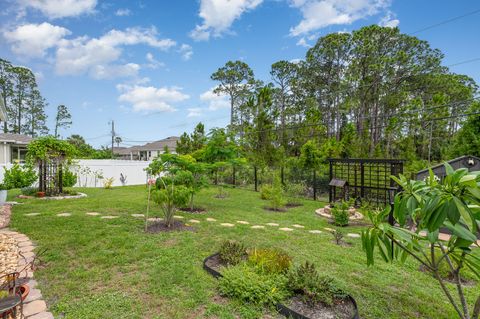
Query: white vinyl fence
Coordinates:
[93,173]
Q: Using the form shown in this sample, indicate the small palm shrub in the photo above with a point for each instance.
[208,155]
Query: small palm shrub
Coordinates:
[341,214]
[270,260]
[108,183]
[337,236]
[313,288]
[246,284]
[170,197]
[232,252]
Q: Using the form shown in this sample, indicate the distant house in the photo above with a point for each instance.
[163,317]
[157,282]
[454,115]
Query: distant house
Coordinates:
[472,163]
[148,151]
[13,147]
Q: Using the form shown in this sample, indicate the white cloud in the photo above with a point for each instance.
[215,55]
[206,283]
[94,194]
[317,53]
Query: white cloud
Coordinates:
[389,20]
[123,12]
[186,51]
[303,43]
[97,55]
[318,14]
[195,112]
[54,9]
[218,16]
[151,99]
[152,62]
[214,101]
[32,40]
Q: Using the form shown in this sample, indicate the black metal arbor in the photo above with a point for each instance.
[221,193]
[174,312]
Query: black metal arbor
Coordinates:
[368,180]
[51,176]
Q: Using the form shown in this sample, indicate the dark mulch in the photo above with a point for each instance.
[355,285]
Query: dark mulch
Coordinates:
[275,209]
[215,263]
[160,226]
[293,205]
[342,309]
[194,210]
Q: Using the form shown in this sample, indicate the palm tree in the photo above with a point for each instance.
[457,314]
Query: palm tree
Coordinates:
[118,140]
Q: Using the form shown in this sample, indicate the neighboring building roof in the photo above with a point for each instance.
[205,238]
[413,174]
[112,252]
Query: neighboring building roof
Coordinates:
[170,142]
[472,163]
[3,109]
[15,138]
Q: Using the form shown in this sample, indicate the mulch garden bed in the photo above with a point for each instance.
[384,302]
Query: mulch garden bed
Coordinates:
[293,205]
[278,210]
[160,226]
[194,210]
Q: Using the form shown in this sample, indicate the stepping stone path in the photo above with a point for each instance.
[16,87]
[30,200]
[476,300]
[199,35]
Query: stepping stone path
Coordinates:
[285,229]
[315,231]
[138,215]
[209,219]
[329,229]
[273,224]
[109,217]
[154,219]
[64,215]
[92,214]
[178,217]
[195,221]
[32,214]
[353,235]
[258,227]
[34,307]
[227,224]
[298,226]
[242,222]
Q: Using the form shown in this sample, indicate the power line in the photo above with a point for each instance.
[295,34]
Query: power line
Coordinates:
[445,21]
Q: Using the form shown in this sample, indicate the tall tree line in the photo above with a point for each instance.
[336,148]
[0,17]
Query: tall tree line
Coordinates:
[374,92]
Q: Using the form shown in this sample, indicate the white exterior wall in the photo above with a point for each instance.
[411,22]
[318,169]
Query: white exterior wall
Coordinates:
[5,155]
[134,171]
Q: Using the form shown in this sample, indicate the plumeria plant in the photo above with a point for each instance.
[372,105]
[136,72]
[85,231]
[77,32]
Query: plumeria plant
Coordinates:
[421,211]
[150,182]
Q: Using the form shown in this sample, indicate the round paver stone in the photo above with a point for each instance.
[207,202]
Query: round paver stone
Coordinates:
[243,222]
[227,224]
[329,229]
[109,217]
[32,214]
[178,217]
[314,231]
[195,221]
[353,235]
[34,307]
[92,214]
[285,229]
[273,224]
[298,226]
[209,219]
[64,215]
[138,215]
[258,227]
[154,219]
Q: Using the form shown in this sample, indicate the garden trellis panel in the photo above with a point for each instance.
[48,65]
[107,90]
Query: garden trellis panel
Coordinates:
[368,179]
[50,177]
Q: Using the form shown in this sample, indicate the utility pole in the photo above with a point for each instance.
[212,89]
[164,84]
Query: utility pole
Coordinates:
[113,135]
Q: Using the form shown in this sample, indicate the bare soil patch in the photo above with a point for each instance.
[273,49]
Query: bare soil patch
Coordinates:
[341,309]
[160,226]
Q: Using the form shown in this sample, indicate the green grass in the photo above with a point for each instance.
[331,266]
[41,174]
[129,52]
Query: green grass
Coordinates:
[98,268]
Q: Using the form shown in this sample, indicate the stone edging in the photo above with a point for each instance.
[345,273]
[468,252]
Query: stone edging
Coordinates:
[5,212]
[80,195]
[34,307]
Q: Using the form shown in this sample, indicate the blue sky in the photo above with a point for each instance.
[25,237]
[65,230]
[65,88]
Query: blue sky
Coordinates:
[147,64]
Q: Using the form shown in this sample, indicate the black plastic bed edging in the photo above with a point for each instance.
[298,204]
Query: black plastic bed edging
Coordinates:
[281,308]
[211,271]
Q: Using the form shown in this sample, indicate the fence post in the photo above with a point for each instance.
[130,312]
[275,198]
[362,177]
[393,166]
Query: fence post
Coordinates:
[233,177]
[282,175]
[255,177]
[314,184]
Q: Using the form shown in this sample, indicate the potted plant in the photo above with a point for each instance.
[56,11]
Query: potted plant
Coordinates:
[3,193]
[40,194]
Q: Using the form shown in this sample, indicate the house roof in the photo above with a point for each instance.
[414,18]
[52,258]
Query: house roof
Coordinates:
[15,138]
[455,160]
[170,142]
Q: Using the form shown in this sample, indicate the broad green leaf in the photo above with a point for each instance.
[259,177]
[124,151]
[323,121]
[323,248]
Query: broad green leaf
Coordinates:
[461,231]
[464,212]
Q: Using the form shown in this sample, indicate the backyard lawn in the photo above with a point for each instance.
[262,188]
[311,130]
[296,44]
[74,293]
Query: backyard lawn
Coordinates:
[110,268]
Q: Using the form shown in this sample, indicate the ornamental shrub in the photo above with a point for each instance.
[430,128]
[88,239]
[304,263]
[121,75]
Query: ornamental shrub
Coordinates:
[232,252]
[19,176]
[312,287]
[246,284]
[270,260]
[340,213]
[266,192]
[69,178]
